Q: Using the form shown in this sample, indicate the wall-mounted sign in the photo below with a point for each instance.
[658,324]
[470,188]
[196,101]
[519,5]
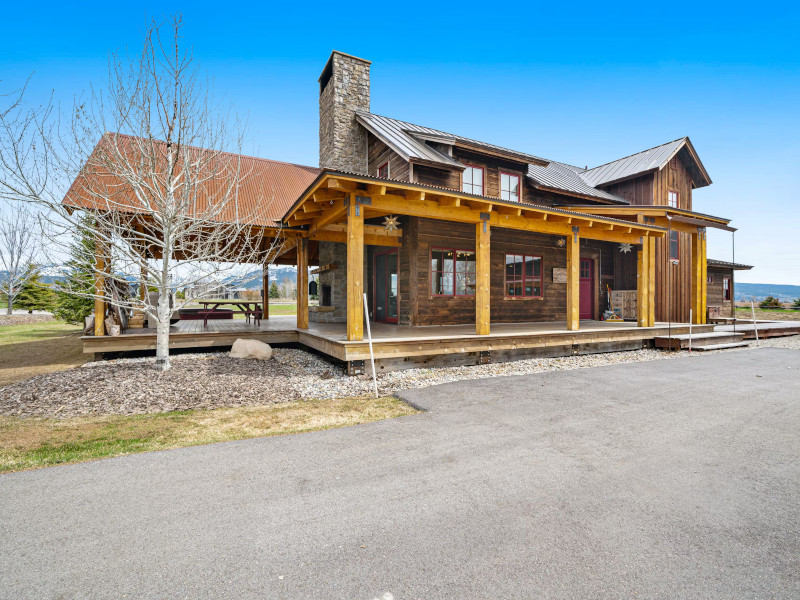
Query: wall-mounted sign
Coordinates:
[559,275]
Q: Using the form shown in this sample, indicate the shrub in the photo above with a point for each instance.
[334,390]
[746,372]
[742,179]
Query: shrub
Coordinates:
[770,302]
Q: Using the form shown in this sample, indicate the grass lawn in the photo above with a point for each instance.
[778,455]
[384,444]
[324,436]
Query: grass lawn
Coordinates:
[35,443]
[29,350]
[769,314]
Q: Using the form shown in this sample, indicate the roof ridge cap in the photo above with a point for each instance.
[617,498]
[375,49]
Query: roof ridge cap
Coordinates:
[685,137]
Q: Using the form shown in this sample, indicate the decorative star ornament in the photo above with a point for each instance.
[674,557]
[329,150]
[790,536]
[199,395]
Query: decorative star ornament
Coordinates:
[391,223]
[625,248]
[561,242]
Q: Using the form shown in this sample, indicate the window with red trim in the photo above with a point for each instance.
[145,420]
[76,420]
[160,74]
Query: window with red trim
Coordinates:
[523,276]
[674,245]
[383,171]
[472,180]
[509,187]
[452,272]
[726,289]
[674,198]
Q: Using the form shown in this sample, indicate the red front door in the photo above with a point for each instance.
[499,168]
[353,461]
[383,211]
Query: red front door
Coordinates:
[587,289]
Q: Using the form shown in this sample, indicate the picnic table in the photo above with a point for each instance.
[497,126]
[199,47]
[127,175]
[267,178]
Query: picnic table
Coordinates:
[249,308]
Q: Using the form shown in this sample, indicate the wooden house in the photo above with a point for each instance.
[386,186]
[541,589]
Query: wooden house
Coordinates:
[439,229]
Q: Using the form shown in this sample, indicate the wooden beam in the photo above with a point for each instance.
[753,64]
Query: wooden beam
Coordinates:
[447,201]
[302,283]
[338,184]
[697,284]
[423,208]
[704,279]
[482,278]
[573,281]
[335,212]
[651,281]
[375,189]
[370,240]
[643,284]
[355,271]
[265,289]
[99,289]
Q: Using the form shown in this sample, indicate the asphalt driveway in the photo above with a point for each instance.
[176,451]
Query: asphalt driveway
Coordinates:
[668,479]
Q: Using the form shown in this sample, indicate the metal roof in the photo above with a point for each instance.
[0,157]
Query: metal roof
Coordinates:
[266,190]
[400,136]
[726,263]
[635,164]
[566,178]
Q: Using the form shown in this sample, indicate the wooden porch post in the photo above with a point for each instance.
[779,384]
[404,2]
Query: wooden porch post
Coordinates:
[697,280]
[573,280]
[642,288]
[355,270]
[703,277]
[302,283]
[482,280]
[651,281]
[265,288]
[99,288]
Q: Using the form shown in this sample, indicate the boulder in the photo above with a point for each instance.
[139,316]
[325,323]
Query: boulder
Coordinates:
[251,349]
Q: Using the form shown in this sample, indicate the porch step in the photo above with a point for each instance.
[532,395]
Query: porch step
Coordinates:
[699,340]
[719,346]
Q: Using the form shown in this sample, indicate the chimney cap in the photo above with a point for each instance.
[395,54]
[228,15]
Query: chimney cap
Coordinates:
[330,61]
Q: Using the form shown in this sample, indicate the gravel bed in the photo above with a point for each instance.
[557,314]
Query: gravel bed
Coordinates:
[25,319]
[203,381]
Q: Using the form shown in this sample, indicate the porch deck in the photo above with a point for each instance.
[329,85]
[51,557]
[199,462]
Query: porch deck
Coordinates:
[396,345]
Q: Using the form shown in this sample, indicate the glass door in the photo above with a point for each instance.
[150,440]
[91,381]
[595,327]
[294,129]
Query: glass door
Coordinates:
[385,286]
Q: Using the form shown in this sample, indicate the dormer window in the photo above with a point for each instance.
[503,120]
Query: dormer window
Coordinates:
[509,187]
[673,199]
[472,180]
[383,170]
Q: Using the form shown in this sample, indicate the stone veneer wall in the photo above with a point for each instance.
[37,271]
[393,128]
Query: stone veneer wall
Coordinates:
[333,253]
[342,141]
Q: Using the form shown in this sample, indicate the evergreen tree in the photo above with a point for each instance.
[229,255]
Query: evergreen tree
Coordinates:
[35,295]
[274,292]
[78,278]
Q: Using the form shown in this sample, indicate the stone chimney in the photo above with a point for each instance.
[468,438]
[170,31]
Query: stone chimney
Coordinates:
[343,89]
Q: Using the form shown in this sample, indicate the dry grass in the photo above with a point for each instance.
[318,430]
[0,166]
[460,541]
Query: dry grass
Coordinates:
[769,315]
[34,443]
[37,348]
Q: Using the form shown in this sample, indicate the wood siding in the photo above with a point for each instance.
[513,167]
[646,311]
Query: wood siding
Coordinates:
[674,282]
[379,154]
[637,191]
[677,180]
[715,292]
[419,307]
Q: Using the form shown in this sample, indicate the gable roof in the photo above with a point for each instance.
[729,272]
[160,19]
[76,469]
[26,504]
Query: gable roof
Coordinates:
[409,141]
[266,190]
[415,143]
[648,161]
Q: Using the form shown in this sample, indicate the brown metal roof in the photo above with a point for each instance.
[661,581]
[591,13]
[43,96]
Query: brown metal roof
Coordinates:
[266,191]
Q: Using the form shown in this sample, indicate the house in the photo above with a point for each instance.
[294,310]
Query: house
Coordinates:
[439,229]
[561,235]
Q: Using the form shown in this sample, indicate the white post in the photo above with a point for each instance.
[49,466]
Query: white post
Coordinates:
[690,331]
[755,327]
[371,353]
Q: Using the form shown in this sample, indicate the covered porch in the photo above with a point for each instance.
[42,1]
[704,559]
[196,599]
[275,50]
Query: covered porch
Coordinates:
[344,205]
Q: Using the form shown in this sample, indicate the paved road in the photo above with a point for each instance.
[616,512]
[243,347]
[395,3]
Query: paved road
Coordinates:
[669,479]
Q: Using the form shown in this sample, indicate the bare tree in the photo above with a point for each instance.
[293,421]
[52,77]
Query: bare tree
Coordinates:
[19,250]
[172,201]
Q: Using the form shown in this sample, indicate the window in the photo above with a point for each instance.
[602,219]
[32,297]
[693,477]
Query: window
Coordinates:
[710,279]
[509,187]
[383,171]
[673,163]
[523,276]
[673,199]
[452,272]
[674,245]
[472,180]
[726,289]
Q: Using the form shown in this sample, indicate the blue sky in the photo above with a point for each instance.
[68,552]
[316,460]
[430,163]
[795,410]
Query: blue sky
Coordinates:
[583,84]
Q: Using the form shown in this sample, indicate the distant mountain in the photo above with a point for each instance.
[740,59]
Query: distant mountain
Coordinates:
[277,273]
[759,291]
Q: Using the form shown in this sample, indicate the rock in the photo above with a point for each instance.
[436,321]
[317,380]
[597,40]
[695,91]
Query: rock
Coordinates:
[251,349]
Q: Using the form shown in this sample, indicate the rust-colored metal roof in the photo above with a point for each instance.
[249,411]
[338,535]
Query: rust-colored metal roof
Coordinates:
[266,189]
